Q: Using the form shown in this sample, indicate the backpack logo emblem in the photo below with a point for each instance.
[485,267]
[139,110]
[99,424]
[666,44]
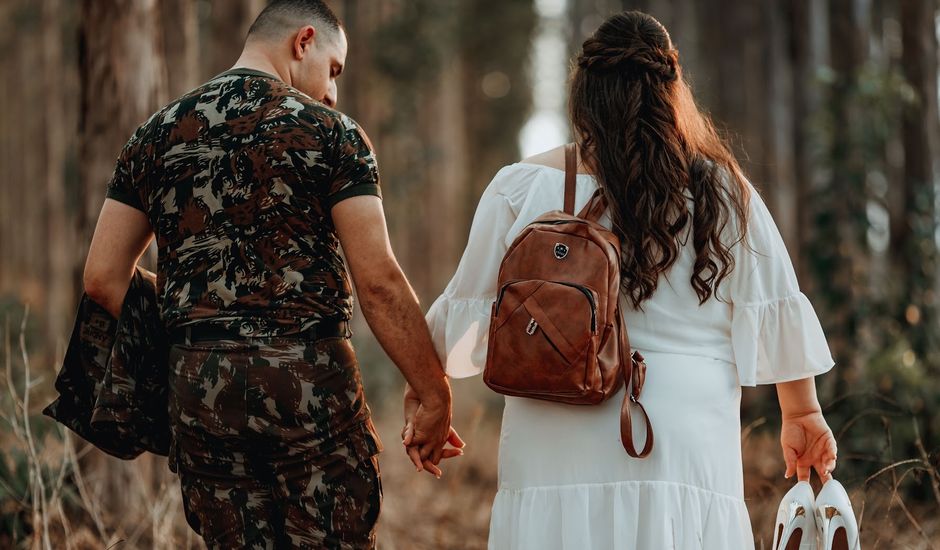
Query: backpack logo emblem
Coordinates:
[530,329]
[561,250]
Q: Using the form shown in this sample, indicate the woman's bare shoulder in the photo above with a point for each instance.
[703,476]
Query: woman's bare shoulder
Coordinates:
[554,158]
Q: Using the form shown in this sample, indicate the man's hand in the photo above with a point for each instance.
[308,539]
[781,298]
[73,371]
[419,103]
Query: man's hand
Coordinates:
[391,308]
[417,416]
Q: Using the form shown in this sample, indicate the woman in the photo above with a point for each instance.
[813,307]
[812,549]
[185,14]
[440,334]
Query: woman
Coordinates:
[710,299]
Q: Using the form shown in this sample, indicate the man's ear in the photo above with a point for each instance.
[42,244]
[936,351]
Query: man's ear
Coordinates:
[303,41]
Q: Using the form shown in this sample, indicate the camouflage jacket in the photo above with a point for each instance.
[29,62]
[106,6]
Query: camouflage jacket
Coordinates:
[113,383]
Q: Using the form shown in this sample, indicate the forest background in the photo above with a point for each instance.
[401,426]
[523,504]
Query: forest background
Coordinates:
[830,105]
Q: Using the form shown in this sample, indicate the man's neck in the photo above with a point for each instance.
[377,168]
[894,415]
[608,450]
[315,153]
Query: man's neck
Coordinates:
[261,62]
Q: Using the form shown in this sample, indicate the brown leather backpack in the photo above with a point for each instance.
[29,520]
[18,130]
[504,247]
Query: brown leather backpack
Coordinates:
[556,332]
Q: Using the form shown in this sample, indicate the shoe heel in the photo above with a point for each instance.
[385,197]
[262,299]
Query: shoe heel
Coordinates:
[795,524]
[797,532]
[837,526]
[833,529]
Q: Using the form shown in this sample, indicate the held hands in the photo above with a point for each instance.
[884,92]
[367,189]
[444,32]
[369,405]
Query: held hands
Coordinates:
[808,442]
[426,432]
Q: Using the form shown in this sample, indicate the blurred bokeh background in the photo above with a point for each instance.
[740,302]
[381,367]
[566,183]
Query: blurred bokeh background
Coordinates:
[830,105]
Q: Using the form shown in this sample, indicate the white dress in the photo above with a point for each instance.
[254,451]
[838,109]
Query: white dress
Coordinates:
[565,481]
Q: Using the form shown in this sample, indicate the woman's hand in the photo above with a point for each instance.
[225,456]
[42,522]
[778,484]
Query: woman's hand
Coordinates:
[808,442]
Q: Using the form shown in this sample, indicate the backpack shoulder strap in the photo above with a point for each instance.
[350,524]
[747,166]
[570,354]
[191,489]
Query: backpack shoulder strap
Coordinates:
[596,205]
[571,168]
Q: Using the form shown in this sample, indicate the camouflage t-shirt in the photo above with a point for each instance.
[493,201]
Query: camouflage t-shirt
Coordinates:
[238,178]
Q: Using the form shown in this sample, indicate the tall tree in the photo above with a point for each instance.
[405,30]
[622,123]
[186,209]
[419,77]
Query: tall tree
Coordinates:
[122,83]
[496,89]
[229,23]
[803,52]
[578,11]
[921,138]
[729,80]
[58,281]
[778,125]
[8,190]
[840,249]
[122,77]
[413,97]
[180,26]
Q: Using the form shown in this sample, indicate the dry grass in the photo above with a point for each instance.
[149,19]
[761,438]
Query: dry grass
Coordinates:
[885,520]
[423,513]
[69,495]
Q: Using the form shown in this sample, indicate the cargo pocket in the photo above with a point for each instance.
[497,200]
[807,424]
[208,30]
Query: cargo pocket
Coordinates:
[373,503]
[369,442]
[357,512]
[172,459]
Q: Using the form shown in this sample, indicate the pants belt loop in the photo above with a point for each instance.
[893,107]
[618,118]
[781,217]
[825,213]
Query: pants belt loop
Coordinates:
[347,329]
[188,335]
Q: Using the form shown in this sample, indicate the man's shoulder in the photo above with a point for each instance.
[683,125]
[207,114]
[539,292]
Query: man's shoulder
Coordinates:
[341,128]
[144,133]
[169,114]
[278,99]
[317,113]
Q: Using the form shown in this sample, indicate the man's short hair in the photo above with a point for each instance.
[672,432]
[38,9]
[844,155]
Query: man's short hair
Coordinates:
[283,16]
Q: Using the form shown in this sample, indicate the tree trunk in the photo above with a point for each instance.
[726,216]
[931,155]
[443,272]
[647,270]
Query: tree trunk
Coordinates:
[230,22]
[57,238]
[499,112]
[122,83]
[447,177]
[805,102]
[582,23]
[778,126]
[921,139]
[9,64]
[841,246]
[180,45]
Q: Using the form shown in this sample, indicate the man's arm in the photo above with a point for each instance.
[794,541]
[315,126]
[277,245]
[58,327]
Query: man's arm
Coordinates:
[122,234]
[391,308]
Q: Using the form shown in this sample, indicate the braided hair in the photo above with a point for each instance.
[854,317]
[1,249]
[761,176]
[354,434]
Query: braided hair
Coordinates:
[651,150]
[651,62]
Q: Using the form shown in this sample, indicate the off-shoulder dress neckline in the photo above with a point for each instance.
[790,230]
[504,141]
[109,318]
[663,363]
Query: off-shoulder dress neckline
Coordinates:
[552,168]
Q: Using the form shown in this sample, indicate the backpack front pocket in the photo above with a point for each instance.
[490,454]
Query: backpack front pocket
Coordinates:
[547,324]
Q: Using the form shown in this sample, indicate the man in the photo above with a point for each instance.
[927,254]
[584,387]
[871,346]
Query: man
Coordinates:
[250,183]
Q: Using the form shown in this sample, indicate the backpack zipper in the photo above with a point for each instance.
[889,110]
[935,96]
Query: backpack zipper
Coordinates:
[584,290]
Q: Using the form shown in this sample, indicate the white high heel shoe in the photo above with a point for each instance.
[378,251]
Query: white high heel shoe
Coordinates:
[795,526]
[836,519]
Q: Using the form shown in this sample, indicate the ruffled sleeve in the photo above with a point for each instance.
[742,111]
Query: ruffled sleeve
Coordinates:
[459,319]
[775,333]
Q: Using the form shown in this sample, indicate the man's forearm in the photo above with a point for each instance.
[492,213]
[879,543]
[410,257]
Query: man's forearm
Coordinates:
[798,397]
[396,320]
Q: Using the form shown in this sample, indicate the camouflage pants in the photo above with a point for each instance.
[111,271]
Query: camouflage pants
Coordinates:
[273,443]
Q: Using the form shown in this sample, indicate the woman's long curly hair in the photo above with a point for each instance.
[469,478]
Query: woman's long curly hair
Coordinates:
[642,135]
